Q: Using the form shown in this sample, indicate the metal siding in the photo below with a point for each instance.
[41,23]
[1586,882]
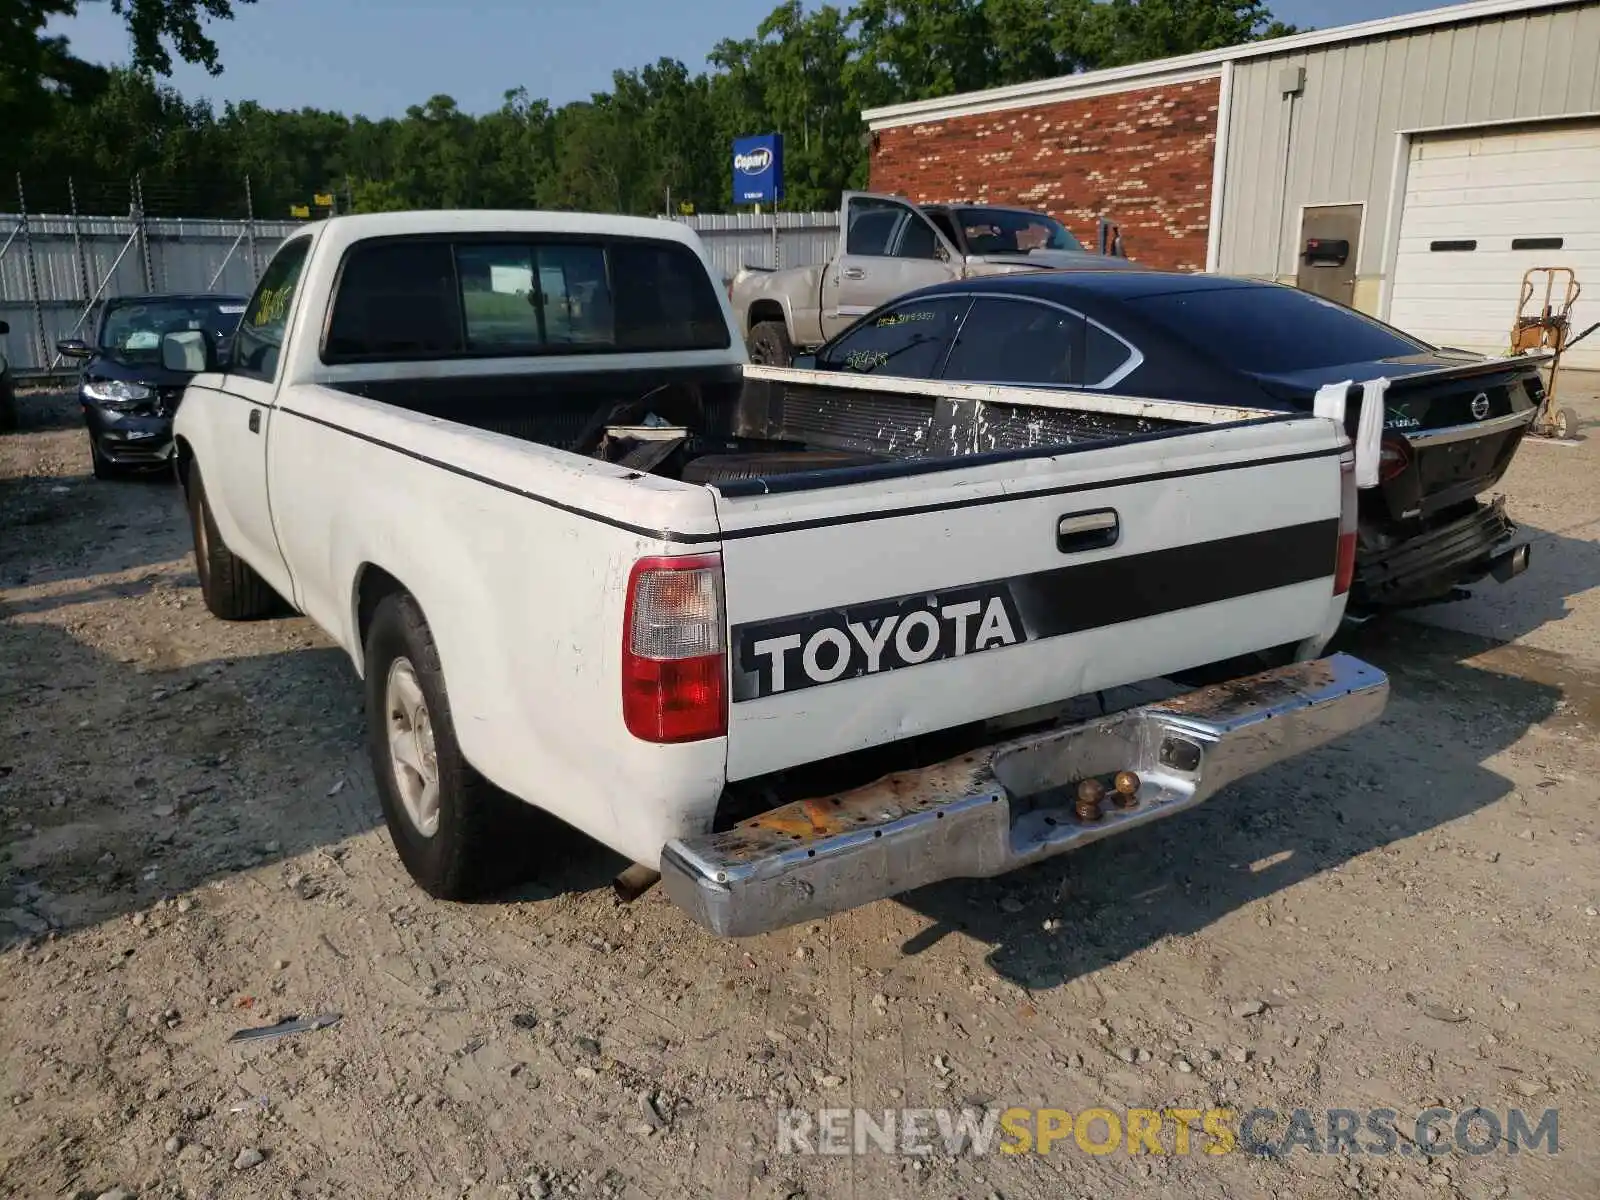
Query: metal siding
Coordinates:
[734,240]
[1359,95]
[184,256]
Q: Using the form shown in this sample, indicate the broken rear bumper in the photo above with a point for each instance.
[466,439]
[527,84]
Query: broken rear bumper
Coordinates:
[1013,803]
[1428,566]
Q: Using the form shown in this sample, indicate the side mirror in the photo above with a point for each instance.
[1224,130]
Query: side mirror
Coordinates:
[73,348]
[804,362]
[189,351]
[940,252]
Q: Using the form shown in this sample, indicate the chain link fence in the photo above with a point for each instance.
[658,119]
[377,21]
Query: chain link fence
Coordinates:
[65,249]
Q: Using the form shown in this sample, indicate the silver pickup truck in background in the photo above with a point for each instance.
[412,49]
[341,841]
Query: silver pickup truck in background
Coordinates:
[888,247]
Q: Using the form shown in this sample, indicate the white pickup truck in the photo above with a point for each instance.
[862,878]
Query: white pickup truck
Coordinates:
[512,463]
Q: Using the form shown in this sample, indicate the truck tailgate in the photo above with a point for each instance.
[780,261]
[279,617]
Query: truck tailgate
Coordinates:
[876,604]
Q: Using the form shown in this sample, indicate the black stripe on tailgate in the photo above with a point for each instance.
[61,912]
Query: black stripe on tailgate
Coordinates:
[805,650]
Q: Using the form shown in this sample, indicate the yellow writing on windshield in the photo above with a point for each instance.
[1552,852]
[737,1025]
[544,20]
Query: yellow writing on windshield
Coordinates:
[273,306]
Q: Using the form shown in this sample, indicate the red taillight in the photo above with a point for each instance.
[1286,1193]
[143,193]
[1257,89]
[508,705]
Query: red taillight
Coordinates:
[1344,567]
[674,667]
[1394,456]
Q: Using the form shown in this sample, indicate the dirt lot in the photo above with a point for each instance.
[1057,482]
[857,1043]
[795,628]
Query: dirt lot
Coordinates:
[190,845]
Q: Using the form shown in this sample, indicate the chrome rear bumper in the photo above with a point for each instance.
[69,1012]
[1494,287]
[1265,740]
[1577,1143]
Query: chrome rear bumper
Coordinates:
[1013,803]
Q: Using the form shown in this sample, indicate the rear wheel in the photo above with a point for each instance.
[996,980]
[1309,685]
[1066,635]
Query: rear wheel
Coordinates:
[450,825]
[230,586]
[769,344]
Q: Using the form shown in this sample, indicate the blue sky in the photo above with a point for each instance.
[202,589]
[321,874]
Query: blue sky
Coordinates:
[379,56]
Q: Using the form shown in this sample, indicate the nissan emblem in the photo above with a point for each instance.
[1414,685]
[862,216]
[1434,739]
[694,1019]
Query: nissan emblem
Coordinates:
[1480,405]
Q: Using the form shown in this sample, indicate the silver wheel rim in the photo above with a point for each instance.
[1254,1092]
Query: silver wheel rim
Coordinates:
[412,757]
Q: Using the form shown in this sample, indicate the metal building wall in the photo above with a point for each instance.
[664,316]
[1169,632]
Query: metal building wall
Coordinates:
[51,270]
[1358,98]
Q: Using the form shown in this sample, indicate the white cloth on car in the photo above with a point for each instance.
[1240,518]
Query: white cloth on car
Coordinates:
[1331,401]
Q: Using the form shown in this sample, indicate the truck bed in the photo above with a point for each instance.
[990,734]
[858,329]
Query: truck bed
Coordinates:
[717,425]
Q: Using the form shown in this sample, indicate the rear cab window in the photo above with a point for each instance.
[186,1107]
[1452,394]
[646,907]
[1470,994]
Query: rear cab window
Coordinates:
[1271,330]
[509,295]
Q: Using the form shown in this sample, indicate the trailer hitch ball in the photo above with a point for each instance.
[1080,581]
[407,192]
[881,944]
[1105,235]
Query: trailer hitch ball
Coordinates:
[1127,789]
[1090,793]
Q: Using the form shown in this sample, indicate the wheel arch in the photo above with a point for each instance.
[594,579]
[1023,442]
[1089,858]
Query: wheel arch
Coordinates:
[371,586]
[767,308]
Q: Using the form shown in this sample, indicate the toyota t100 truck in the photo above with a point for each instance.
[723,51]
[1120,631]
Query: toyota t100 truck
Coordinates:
[513,464]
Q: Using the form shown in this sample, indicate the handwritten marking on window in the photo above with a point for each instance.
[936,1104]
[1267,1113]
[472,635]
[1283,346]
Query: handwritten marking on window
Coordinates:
[865,360]
[901,318]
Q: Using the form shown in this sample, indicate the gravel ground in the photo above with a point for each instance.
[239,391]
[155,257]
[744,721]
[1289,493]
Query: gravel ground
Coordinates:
[190,845]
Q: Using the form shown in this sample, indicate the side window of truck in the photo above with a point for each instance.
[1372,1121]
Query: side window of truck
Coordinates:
[909,340]
[888,229]
[1019,342]
[259,338]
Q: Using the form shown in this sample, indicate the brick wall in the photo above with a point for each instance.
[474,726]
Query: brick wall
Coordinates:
[1141,158]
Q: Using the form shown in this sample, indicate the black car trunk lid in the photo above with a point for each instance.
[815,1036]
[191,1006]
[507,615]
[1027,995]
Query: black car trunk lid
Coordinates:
[1451,433]
[1451,426]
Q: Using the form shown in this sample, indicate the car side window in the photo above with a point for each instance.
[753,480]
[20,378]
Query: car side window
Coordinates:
[907,340]
[1019,342]
[1106,357]
[872,224]
[888,229]
[259,339]
[917,239]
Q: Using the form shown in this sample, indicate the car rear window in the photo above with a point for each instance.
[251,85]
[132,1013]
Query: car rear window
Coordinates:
[1272,330]
[416,298]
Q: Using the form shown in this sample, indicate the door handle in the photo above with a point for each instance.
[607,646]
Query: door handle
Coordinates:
[854,273]
[255,420]
[1097,530]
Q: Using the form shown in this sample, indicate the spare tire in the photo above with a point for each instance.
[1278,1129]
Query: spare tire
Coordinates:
[722,468]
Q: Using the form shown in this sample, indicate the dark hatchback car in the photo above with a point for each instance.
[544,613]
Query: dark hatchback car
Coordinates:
[128,397]
[1453,420]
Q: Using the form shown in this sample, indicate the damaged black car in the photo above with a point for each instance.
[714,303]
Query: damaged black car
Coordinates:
[128,397]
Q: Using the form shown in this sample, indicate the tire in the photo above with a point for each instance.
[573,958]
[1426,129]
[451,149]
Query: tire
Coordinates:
[464,853]
[723,468]
[1566,423]
[769,344]
[8,408]
[230,586]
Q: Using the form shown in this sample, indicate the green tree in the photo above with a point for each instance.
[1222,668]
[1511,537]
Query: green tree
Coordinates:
[36,70]
[658,129]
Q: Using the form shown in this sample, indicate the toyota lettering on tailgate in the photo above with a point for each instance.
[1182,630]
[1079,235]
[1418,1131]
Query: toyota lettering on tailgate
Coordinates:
[809,649]
[785,654]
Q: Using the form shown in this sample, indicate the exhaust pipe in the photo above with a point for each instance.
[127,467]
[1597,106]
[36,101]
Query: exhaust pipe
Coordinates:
[634,882]
[1512,563]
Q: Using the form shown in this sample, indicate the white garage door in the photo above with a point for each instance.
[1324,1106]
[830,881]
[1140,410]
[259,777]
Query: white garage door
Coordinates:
[1480,209]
